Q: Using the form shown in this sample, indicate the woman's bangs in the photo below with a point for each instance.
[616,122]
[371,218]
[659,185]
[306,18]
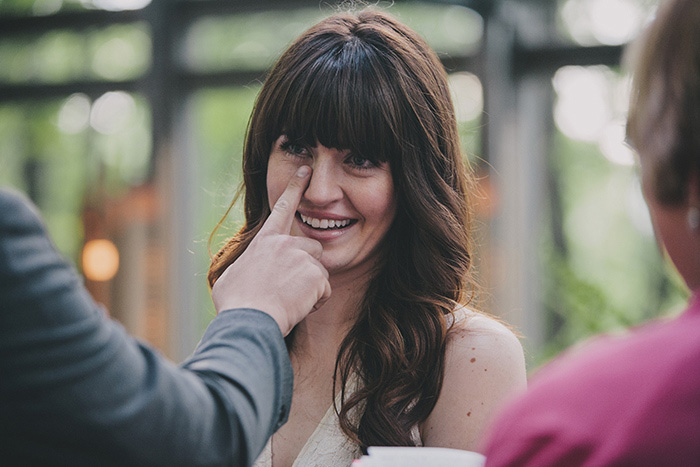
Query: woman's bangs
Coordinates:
[338,103]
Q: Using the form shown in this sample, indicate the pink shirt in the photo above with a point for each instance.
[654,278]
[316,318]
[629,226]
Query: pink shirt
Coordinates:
[632,400]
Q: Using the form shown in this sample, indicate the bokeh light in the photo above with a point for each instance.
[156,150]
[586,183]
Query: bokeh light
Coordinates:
[467,96]
[582,109]
[611,22]
[100,260]
[74,115]
[111,112]
[591,106]
[117,5]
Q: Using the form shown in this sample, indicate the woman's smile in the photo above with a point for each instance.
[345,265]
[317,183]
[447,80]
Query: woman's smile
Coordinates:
[324,228]
[324,223]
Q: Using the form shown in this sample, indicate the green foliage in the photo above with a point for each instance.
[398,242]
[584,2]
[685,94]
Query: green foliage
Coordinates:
[603,273]
[11,145]
[60,168]
[449,29]
[608,274]
[48,164]
[42,7]
[252,41]
[118,52]
[219,119]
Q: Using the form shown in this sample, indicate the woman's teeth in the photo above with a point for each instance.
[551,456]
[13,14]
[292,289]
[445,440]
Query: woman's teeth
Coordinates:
[324,223]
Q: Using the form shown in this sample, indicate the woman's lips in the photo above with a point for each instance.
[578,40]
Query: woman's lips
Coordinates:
[320,223]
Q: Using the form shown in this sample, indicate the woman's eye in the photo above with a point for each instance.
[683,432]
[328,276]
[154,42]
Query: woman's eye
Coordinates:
[360,162]
[294,149]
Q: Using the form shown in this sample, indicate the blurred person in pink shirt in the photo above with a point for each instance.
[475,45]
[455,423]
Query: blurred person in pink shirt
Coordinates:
[634,400]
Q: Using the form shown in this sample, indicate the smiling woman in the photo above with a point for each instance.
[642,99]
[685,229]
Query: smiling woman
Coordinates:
[390,356]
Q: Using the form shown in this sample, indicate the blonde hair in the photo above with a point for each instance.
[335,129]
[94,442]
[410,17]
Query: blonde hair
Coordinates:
[663,123]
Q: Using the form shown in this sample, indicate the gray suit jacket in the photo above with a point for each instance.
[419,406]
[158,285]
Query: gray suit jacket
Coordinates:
[76,389]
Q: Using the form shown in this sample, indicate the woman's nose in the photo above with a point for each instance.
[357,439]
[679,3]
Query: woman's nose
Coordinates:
[324,186]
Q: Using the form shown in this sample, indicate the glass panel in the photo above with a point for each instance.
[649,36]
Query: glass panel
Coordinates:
[611,22]
[252,41]
[118,52]
[49,7]
[449,29]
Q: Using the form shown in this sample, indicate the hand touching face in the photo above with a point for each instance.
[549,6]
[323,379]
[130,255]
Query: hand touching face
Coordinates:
[278,273]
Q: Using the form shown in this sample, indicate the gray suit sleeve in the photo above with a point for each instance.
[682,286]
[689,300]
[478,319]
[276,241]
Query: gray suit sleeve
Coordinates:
[76,389]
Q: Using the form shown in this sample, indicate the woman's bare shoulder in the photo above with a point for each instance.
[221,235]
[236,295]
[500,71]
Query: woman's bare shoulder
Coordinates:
[476,338]
[484,364]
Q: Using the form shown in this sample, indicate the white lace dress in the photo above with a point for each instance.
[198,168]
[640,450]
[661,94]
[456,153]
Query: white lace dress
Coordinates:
[327,446]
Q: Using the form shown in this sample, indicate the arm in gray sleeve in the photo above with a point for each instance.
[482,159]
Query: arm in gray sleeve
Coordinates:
[76,389]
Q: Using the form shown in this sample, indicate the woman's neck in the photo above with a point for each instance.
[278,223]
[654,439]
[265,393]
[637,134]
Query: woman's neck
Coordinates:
[322,331]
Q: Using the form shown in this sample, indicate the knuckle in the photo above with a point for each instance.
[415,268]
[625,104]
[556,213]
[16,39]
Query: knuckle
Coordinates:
[282,205]
[285,241]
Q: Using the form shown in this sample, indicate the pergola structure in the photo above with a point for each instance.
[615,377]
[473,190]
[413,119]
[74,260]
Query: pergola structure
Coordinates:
[519,53]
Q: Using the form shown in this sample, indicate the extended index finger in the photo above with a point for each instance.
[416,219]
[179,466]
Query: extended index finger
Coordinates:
[282,215]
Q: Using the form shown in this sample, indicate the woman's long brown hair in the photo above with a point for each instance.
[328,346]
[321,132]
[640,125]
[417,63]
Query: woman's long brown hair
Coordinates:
[368,83]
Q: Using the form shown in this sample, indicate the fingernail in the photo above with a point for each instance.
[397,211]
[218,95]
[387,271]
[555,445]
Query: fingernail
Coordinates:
[303,171]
